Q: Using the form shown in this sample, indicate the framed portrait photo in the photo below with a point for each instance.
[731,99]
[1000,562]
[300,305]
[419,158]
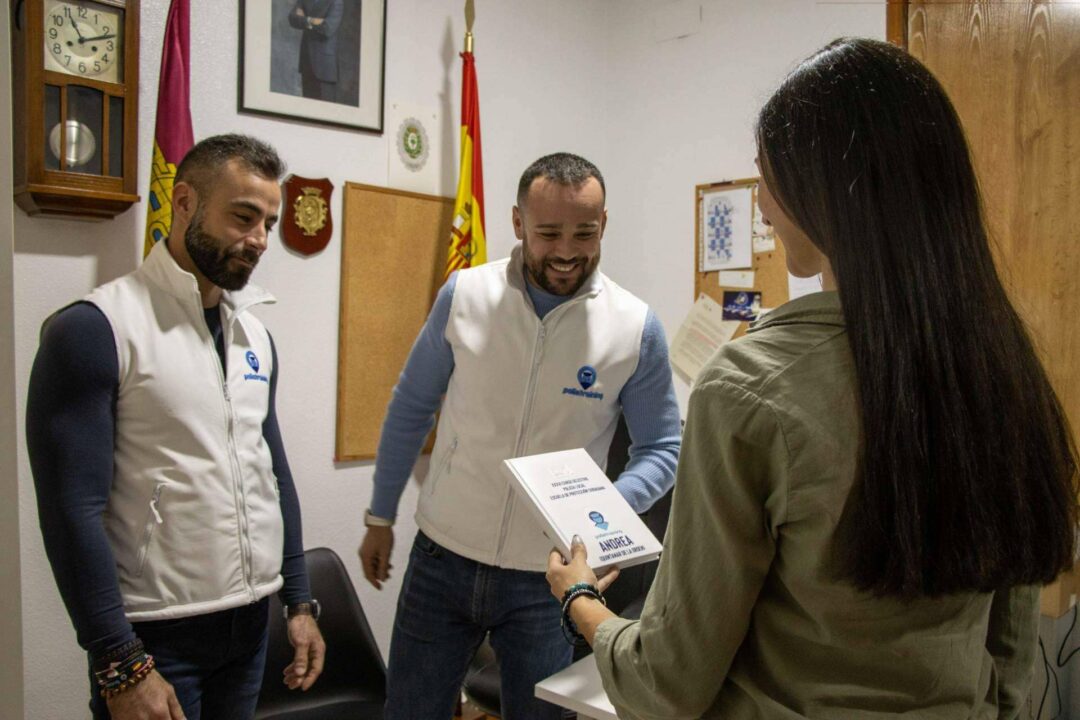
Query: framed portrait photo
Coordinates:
[320,61]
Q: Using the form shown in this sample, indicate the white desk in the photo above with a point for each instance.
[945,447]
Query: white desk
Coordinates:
[578,688]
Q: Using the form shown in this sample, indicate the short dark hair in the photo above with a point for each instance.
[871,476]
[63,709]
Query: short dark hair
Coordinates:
[967,469]
[561,167]
[207,157]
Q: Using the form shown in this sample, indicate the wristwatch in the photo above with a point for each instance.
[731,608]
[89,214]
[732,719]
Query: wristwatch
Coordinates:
[312,608]
[376,521]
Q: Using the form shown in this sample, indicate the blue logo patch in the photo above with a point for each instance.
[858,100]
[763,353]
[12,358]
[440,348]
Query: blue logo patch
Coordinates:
[598,520]
[253,362]
[586,377]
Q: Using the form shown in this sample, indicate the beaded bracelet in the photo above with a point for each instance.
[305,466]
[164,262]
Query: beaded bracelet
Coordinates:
[123,676]
[111,666]
[569,627]
[116,657]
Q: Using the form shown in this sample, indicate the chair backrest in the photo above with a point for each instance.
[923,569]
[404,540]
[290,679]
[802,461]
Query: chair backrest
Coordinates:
[354,674]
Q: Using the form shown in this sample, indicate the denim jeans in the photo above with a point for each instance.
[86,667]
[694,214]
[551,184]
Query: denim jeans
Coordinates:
[214,662]
[447,605]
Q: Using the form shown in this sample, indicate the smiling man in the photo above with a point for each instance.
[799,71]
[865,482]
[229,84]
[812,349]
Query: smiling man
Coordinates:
[166,504]
[534,353]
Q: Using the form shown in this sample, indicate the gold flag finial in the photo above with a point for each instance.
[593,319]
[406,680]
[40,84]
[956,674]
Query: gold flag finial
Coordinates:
[470,16]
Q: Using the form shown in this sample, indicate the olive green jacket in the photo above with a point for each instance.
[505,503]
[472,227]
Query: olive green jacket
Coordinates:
[746,618]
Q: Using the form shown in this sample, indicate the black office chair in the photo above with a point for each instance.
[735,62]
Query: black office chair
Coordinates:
[625,597]
[353,682]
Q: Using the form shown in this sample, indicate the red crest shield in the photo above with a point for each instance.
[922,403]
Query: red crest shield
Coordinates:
[307,225]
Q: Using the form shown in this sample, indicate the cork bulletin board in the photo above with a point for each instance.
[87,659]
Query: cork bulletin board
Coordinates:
[769,267]
[393,256]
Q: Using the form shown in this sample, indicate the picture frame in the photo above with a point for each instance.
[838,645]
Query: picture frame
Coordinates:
[317,61]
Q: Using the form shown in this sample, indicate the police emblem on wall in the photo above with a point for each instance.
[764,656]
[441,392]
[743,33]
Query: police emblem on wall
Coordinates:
[307,225]
[412,144]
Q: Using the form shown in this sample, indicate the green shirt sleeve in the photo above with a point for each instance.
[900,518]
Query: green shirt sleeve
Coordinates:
[729,500]
[1012,638]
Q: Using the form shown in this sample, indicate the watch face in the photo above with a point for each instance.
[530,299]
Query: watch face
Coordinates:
[85,39]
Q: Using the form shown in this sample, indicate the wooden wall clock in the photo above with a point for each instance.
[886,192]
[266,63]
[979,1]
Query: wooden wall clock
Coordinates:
[75,84]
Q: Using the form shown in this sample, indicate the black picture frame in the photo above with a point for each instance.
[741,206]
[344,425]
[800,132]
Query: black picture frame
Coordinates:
[289,68]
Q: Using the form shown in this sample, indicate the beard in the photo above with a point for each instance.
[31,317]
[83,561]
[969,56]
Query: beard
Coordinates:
[537,268]
[212,259]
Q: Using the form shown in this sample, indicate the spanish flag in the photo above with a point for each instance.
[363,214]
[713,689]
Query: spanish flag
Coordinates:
[172,130]
[468,246]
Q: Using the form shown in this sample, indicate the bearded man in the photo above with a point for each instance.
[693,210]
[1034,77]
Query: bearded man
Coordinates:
[534,353]
[166,504]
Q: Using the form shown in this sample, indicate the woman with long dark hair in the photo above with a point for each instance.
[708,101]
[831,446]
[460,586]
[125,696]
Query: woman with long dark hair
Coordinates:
[876,480]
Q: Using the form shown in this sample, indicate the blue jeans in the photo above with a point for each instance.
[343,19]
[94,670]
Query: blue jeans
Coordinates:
[214,662]
[447,605]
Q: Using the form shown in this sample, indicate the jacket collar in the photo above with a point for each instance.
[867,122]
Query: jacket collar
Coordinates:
[515,276]
[161,270]
[820,308]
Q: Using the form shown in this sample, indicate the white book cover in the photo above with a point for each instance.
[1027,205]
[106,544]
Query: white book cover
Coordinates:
[570,495]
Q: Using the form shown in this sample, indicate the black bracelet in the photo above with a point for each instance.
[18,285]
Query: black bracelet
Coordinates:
[569,627]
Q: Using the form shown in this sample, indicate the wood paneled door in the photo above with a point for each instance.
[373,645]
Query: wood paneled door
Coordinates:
[1013,71]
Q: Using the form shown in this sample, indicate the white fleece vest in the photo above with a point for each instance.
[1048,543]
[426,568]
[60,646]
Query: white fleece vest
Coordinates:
[193,515]
[520,387]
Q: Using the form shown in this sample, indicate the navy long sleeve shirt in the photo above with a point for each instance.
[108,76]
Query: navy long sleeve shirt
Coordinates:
[70,418]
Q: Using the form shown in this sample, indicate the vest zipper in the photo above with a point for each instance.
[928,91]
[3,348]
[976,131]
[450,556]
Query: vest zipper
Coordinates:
[153,517]
[234,463]
[243,526]
[443,467]
[523,433]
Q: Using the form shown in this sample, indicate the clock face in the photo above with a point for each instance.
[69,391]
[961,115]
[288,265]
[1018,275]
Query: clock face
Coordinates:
[85,39]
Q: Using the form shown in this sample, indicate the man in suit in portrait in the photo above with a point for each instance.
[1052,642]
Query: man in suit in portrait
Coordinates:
[319,19]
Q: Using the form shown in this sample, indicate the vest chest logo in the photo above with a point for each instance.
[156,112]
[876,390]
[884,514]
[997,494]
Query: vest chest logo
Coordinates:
[253,363]
[586,377]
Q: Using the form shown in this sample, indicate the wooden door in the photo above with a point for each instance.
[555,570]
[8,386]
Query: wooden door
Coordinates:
[1013,71]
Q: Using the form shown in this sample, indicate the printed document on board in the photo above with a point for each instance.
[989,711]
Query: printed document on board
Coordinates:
[570,495]
[699,337]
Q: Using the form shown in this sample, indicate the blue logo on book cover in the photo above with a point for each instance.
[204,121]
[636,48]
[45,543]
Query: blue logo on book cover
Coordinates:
[598,520]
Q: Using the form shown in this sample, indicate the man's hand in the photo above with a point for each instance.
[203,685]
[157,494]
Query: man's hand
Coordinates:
[375,554]
[316,22]
[152,699]
[307,664]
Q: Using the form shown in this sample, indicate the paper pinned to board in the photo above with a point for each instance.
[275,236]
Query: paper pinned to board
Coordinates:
[725,226]
[699,337]
[764,237]
[738,279]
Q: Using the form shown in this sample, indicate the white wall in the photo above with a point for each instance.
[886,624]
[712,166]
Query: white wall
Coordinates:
[11,691]
[579,75]
[682,113]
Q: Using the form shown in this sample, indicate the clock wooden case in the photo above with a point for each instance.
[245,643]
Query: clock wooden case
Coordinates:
[75,84]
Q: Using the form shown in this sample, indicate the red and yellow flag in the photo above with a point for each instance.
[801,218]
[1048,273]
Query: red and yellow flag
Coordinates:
[468,246]
[173,136]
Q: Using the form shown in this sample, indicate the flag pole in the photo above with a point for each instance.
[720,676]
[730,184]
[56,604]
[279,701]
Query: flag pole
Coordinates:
[470,16]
